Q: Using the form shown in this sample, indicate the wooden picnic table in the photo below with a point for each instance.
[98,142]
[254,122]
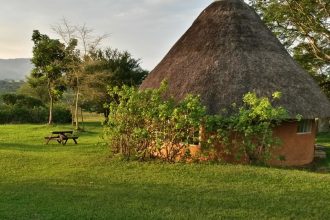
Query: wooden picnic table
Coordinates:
[61,137]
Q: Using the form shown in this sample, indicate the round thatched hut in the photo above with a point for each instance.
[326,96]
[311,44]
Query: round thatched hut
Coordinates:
[227,52]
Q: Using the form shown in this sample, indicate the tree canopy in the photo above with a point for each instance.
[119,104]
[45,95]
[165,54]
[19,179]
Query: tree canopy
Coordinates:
[110,68]
[50,59]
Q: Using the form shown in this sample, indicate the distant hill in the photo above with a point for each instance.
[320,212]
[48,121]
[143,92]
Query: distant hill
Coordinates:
[10,86]
[15,69]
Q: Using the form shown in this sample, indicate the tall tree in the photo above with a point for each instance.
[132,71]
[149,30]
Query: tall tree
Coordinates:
[87,43]
[109,68]
[303,26]
[49,59]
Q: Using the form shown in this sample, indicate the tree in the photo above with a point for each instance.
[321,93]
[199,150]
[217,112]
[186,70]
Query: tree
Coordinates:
[49,59]
[88,44]
[303,27]
[110,68]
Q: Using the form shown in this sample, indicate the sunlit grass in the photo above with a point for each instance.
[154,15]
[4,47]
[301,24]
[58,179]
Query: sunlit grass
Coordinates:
[39,181]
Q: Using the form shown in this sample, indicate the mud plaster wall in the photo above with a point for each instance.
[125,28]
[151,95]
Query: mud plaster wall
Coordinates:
[297,149]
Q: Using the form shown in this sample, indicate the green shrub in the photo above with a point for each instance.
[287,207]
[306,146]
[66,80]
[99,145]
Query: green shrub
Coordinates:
[5,114]
[21,109]
[22,100]
[22,114]
[61,114]
[143,124]
[38,115]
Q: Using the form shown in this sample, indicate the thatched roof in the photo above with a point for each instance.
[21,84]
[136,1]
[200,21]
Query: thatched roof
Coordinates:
[227,52]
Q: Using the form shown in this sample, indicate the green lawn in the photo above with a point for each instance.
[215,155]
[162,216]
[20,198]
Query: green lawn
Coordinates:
[40,181]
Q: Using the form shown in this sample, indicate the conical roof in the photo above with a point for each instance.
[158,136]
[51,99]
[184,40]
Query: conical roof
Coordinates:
[227,52]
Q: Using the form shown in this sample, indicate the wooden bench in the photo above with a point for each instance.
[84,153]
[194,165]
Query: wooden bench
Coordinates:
[61,137]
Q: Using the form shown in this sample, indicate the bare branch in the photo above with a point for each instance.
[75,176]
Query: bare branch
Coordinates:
[65,30]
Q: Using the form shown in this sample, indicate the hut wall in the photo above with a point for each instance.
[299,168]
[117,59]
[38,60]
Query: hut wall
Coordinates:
[297,149]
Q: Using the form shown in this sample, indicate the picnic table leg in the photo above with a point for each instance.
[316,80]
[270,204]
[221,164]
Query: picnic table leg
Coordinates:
[47,141]
[64,141]
[75,141]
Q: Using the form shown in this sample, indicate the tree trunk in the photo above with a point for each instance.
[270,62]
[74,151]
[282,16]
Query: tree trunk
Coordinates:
[72,111]
[82,119]
[106,115]
[50,119]
[76,110]
[51,100]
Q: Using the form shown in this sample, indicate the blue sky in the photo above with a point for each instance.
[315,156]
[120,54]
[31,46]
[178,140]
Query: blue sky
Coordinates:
[146,28]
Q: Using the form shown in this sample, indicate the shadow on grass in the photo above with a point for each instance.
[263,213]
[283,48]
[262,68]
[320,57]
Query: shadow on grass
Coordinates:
[125,200]
[21,146]
[47,147]
[321,165]
[317,166]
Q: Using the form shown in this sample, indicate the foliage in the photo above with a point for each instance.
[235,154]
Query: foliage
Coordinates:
[143,125]
[303,28]
[50,59]
[62,114]
[323,80]
[324,140]
[121,67]
[22,114]
[112,68]
[78,58]
[9,86]
[25,109]
[248,133]
[21,100]
[37,114]
[35,88]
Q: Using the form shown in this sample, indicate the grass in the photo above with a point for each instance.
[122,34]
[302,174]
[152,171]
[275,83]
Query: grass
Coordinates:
[39,181]
[324,140]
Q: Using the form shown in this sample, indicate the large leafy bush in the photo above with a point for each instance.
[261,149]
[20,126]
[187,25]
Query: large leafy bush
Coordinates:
[145,124]
[142,124]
